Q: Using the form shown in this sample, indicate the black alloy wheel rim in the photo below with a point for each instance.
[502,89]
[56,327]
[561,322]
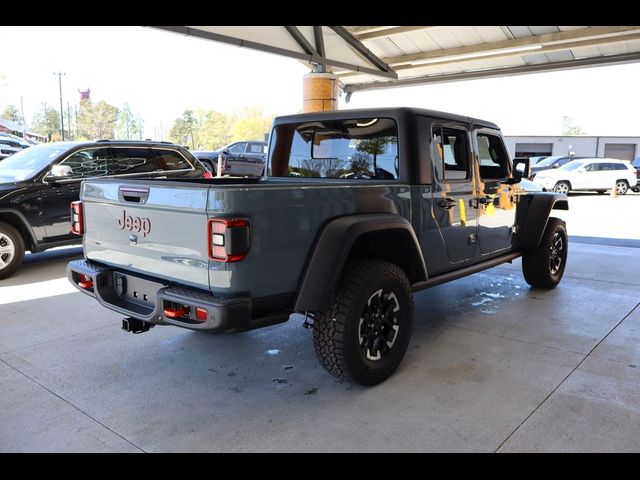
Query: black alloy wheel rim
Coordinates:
[557,252]
[378,328]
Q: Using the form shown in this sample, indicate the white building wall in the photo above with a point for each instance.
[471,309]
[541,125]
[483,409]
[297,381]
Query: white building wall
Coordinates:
[579,145]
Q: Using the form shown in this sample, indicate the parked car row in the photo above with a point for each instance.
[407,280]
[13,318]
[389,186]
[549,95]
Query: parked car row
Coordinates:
[239,159]
[38,184]
[598,174]
[10,144]
[548,163]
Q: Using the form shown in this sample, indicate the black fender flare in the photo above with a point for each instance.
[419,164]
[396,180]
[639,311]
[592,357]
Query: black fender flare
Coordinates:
[332,247]
[26,226]
[532,215]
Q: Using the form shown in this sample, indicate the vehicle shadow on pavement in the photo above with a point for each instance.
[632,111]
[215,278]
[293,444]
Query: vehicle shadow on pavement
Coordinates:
[39,267]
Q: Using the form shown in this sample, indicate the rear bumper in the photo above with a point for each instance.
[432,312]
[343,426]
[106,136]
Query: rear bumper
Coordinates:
[150,301]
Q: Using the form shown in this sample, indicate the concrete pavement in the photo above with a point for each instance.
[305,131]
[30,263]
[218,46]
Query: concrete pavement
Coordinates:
[492,366]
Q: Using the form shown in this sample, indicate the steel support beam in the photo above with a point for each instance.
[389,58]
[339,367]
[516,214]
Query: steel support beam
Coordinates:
[383,70]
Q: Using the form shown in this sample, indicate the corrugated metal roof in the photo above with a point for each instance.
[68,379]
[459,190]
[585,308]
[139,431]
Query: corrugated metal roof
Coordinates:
[366,57]
[445,53]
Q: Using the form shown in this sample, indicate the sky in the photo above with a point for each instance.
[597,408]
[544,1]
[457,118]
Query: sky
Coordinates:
[161,74]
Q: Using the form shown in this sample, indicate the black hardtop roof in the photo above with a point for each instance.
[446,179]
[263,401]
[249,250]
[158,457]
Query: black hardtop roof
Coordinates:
[394,112]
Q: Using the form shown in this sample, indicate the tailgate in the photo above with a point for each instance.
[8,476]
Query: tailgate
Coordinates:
[151,227]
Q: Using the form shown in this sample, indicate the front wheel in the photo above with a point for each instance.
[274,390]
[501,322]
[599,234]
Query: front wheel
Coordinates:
[364,333]
[11,250]
[544,266]
[562,187]
[622,187]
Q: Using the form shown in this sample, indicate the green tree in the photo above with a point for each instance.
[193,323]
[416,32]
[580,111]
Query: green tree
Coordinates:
[12,113]
[127,127]
[251,124]
[216,130]
[140,127]
[97,120]
[185,129]
[46,121]
[569,127]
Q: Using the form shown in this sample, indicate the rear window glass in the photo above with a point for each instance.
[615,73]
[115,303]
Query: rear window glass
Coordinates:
[170,160]
[352,149]
[132,160]
[256,148]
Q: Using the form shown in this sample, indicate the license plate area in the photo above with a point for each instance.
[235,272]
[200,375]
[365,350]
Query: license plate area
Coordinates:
[135,290]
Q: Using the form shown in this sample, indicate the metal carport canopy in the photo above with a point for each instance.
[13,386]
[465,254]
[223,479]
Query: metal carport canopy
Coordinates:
[374,57]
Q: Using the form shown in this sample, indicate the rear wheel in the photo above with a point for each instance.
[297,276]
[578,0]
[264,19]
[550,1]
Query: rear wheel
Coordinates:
[364,333]
[544,266]
[11,249]
[562,187]
[622,187]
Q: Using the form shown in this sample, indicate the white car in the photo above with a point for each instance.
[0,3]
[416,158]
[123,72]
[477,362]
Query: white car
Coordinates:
[599,174]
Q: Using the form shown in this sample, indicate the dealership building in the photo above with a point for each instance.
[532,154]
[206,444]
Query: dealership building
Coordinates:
[624,148]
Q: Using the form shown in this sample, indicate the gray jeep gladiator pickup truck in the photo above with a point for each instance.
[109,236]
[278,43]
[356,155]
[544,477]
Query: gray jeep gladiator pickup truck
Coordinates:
[357,210]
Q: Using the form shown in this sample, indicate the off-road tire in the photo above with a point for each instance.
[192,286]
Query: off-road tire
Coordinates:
[11,250]
[339,330]
[540,265]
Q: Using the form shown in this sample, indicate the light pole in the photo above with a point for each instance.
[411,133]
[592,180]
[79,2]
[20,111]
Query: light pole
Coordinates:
[60,74]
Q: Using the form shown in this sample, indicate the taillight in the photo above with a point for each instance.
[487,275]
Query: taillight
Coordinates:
[228,239]
[77,220]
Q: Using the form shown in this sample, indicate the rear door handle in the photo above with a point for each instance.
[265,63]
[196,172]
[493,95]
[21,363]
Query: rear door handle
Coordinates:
[447,203]
[133,194]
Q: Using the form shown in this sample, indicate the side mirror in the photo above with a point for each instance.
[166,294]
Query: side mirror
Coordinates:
[581,170]
[226,152]
[521,168]
[555,165]
[60,172]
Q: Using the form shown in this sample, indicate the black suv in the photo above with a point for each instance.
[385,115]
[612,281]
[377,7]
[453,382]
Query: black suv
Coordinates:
[241,159]
[38,184]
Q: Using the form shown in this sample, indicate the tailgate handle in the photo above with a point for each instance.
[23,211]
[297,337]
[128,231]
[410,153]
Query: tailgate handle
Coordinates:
[133,194]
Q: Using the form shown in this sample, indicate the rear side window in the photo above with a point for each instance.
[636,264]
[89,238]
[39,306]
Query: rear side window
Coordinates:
[92,162]
[450,153]
[170,160]
[238,148]
[352,149]
[132,160]
[256,148]
[619,166]
[492,156]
